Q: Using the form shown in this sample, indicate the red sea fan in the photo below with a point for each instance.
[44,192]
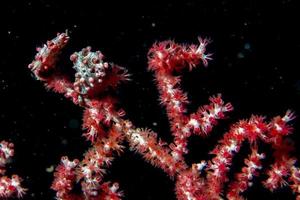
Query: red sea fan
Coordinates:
[106,127]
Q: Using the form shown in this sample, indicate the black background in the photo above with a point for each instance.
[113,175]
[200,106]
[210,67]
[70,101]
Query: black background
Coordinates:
[256,59]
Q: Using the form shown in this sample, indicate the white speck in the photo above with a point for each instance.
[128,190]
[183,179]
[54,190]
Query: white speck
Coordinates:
[50,169]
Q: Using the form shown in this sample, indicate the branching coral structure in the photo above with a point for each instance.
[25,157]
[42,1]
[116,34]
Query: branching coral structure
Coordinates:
[9,187]
[106,127]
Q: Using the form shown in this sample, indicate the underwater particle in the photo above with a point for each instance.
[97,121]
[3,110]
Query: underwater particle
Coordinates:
[64,141]
[247,46]
[73,123]
[240,55]
[50,169]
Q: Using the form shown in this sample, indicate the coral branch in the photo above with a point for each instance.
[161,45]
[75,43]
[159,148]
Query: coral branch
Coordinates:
[245,177]
[9,187]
